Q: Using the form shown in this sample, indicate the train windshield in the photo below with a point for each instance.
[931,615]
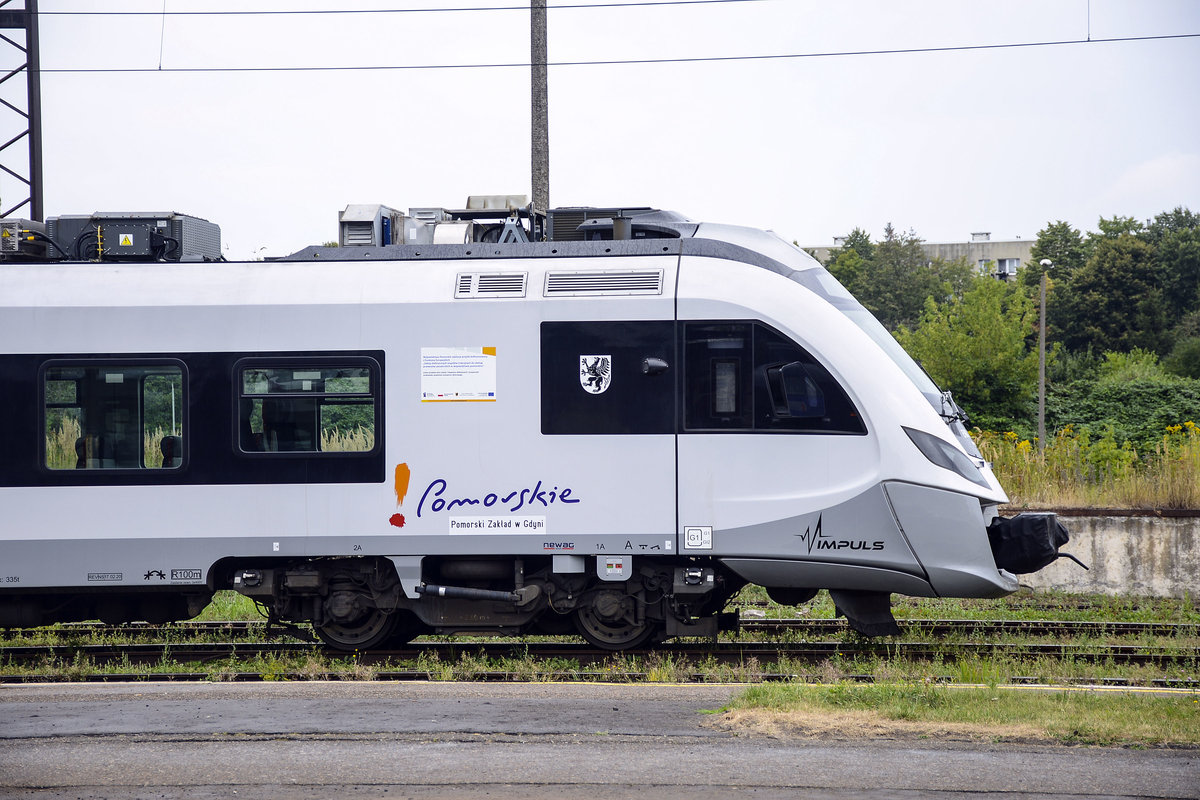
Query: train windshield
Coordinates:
[810,273]
[789,260]
[807,271]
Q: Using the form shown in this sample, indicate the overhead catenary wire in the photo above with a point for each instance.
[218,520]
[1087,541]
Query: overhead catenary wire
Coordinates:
[426,10]
[624,61]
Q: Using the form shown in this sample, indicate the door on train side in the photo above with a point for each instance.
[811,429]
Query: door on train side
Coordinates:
[608,405]
[771,448]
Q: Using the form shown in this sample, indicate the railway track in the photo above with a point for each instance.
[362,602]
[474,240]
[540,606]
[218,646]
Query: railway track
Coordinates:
[940,628]
[733,653]
[786,646]
[986,628]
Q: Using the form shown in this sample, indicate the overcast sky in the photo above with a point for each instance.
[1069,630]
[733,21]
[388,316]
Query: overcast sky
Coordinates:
[945,143]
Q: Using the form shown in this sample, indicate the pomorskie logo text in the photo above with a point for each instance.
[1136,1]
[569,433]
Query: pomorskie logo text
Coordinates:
[818,541]
[437,498]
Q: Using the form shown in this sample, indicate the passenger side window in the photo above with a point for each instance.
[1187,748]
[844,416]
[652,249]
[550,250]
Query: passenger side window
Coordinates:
[747,376]
[307,408]
[113,416]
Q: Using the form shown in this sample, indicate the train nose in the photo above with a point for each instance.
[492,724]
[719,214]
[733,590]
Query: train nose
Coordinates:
[1027,542]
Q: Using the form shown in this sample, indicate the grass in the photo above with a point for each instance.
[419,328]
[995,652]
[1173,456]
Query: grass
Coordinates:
[983,713]
[950,663]
[1023,605]
[1078,470]
[62,436]
[230,606]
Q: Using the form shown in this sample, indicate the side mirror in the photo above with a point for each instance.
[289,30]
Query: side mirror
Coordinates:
[654,366]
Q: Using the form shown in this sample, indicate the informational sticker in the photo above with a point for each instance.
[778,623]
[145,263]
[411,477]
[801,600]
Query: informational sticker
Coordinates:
[126,240]
[698,537]
[492,525]
[458,374]
[613,568]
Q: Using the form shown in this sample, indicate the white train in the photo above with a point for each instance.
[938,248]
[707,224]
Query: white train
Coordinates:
[611,431]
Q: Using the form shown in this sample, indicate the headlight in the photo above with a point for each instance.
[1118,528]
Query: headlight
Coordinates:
[946,456]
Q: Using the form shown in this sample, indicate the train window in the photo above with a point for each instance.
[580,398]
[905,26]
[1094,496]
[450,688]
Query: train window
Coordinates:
[793,391]
[747,376]
[718,358]
[307,409]
[113,416]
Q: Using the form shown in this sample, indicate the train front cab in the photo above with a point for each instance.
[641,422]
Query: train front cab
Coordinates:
[796,468]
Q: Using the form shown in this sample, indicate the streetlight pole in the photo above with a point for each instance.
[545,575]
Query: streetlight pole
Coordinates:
[1046,264]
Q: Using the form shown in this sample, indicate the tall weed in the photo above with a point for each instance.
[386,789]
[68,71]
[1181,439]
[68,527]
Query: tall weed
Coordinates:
[1079,469]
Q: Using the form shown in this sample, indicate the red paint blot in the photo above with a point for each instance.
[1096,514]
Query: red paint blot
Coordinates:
[397,520]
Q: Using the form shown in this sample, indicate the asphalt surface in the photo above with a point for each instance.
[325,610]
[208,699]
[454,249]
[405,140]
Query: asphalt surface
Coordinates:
[443,740]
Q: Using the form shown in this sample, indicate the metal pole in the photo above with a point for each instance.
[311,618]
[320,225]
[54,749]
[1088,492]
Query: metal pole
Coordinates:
[34,65]
[1045,264]
[540,122]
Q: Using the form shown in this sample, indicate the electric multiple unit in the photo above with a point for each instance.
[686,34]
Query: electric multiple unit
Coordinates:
[610,431]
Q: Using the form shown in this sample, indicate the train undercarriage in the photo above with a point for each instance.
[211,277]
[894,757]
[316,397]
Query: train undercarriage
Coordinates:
[359,603]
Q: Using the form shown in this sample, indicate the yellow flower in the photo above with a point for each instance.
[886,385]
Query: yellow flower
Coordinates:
[1010,436]
[1174,428]
[1191,426]
[1024,446]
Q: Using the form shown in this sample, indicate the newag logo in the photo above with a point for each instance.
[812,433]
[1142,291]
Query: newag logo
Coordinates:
[816,540]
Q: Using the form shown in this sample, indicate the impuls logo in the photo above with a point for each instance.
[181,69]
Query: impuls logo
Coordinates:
[816,540]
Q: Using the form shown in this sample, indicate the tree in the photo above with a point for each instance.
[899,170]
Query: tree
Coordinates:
[1116,300]
[893,277]
[1117,227]
[1060,243]
[975,346]
[1177,251]
[1185,358]
[1168,222]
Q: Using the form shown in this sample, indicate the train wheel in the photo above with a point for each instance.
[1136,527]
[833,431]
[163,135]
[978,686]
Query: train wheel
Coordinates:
[791,597]
[370,629]
[610,622]
[407,628]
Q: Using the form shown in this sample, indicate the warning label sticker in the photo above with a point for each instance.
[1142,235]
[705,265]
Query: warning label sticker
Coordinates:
[126,240]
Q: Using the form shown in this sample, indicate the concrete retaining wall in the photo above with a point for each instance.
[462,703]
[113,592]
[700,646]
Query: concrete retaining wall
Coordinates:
[1149,556]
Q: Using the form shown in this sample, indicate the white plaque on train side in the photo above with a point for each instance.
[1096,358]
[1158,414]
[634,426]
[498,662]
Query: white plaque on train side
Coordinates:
[458,374]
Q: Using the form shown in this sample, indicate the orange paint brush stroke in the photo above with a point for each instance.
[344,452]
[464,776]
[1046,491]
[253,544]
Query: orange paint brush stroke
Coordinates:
[402,477]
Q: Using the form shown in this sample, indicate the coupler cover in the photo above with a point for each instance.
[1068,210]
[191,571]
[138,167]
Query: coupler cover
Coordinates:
[1027,542]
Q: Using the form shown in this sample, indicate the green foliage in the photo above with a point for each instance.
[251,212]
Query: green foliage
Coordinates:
[1137,364]
[893,278]
[976,347]
[1117,227]
[849,268]
[1060,243]
[1079,469]
[1116,300]
[1068,367]
[1138,410]
[1178,253]
[1185,358]
[1127,285]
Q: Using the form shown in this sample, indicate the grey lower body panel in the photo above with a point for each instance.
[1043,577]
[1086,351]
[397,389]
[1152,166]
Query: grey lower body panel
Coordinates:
[818,575]
[894,537]
[948,533]
[180,562]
